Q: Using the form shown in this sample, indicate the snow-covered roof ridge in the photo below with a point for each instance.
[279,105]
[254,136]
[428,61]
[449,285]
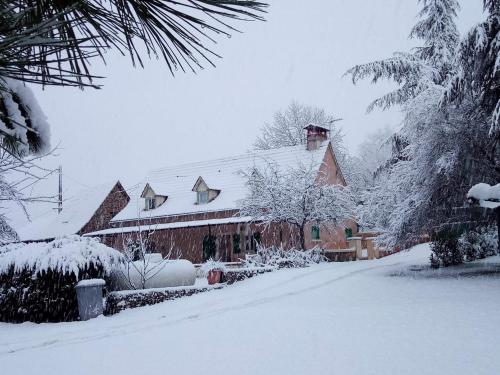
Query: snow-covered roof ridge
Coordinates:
[224,174]
[76,213]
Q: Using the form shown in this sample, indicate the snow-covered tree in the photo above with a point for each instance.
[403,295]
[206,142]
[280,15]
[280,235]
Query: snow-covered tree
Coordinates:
[442,146]
[477,64]
[297,196]
[375,151]
[24,140]
[425,66]
[287,129]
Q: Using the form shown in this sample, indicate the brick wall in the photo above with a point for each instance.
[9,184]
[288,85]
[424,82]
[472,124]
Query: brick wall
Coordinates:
[115,201]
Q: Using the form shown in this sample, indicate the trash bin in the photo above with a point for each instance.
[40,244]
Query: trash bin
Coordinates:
[89,295]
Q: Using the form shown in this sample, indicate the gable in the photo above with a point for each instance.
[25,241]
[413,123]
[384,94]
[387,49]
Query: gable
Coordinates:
[200,185]
[76,214]
[148,192]
[115,201]
[331,168]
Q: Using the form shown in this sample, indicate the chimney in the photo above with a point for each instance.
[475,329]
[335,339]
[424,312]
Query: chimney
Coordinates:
[315,136]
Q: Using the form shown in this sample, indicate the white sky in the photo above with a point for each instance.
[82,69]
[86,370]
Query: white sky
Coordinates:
[145,118]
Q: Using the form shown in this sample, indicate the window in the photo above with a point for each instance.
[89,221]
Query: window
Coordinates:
[236,243]
[256,240]
[150,203]
[202,197]
[209,247]
[348,232]
[315,233]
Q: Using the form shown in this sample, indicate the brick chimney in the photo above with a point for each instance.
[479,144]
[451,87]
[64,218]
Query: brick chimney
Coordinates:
[315,136]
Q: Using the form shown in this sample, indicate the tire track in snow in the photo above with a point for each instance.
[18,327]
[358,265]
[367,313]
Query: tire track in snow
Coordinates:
[125,329]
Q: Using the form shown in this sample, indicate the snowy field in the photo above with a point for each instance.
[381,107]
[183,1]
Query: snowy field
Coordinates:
[373,317]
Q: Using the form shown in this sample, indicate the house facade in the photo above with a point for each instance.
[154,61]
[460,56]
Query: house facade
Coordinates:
[191,210]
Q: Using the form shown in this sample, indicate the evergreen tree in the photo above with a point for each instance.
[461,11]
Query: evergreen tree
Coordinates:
[477,75]
[425,66]
[441,148]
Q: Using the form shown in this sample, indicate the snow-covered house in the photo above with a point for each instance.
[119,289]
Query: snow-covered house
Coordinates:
[89,210]
[193,208]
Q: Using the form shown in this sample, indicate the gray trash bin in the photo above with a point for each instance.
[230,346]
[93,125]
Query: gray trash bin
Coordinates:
[89,294]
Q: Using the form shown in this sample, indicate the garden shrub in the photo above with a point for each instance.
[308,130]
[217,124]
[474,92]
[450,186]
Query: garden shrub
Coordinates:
[452,247]
[37,280]
[445,249]
[278,257]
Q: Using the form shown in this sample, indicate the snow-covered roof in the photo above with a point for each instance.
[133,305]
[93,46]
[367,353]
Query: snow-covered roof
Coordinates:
[224,174]
[77,211]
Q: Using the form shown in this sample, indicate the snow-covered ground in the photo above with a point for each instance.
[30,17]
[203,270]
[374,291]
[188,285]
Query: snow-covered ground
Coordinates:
[372,317]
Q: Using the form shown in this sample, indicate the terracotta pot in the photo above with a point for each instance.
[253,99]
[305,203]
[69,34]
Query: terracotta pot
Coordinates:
[214,277]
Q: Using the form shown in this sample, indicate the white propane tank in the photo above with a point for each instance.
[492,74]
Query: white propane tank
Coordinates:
[159,273]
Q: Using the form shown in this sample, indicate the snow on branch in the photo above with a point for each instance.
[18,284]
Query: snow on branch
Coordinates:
[296,196]
[488,196]
[24,128]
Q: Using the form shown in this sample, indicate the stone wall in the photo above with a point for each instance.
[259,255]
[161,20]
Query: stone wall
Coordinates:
[118,301]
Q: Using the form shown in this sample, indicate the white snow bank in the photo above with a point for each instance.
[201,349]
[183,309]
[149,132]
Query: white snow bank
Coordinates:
[162,274]
[487,195]
[66,255]
[90,282]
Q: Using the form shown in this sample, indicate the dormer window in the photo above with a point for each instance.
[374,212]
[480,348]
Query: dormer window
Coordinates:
[151,199]
[202,197]
[150,203]
[204,194]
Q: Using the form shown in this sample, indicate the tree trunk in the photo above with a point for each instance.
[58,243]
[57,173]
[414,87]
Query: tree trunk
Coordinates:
[302,237]
[497,210]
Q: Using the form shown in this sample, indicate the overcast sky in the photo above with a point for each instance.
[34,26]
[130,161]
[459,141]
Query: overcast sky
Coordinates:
[144,118]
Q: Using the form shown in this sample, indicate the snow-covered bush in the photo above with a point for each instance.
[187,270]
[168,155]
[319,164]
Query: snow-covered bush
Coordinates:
[65,255]
[478,244]
[37,280]
[211,265]
[278,257]
[452,248]
[445,249]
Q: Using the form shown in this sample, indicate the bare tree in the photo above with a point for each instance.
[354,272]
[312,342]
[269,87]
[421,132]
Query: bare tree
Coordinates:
[142,262]
[287,128]
[297,197]
[17,178]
